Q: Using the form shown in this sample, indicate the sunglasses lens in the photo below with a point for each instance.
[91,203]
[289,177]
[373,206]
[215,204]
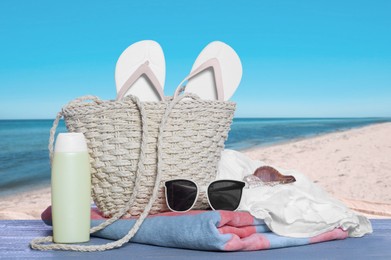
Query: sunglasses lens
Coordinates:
[180,194]
[225,195]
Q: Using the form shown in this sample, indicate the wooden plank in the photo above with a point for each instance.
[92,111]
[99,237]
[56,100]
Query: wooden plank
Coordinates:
[15,236]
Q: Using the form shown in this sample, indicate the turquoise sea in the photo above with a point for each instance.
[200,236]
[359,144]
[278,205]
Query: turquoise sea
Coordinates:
[24,159]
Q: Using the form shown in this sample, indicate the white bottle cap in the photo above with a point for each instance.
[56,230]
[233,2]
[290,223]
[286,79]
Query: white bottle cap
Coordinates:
[70,143]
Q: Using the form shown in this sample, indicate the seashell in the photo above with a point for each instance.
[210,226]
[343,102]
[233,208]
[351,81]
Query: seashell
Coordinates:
[269,174]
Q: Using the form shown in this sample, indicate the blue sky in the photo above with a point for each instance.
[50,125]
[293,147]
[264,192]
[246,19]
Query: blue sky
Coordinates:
[300,58]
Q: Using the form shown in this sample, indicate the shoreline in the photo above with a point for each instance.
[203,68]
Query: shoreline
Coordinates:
[37,187]
[352,165]
[309,137]
[24,189]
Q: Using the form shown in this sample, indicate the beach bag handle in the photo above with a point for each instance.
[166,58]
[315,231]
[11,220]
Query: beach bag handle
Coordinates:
[46,243]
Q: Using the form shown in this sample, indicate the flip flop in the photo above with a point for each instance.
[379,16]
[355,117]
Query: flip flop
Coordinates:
[216,73]
[141,71]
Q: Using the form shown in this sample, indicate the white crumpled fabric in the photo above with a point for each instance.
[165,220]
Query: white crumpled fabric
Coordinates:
[299,209]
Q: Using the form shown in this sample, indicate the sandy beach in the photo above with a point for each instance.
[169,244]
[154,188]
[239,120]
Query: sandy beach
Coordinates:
[354,166]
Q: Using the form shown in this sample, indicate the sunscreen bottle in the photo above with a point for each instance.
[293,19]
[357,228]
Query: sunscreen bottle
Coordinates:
[71,189]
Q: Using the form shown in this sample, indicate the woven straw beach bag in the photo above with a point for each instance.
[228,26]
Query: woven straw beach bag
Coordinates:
[191,140]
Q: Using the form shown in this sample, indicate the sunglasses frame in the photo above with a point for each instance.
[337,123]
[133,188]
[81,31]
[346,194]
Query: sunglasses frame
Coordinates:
[202,189]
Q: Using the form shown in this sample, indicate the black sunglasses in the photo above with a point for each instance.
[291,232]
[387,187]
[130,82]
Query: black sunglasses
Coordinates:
[181,194]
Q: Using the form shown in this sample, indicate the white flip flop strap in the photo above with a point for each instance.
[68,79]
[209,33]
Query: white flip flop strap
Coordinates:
[144,69]
[215,65]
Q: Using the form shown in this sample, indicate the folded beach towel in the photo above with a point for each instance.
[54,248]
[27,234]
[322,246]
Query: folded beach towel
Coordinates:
[203,230]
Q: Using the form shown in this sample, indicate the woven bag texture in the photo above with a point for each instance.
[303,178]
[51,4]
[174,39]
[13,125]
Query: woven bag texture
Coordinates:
[192,142]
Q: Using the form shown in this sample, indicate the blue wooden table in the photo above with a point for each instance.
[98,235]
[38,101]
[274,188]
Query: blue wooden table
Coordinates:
[15,236]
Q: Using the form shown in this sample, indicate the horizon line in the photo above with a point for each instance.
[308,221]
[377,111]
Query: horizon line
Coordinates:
[243,117]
